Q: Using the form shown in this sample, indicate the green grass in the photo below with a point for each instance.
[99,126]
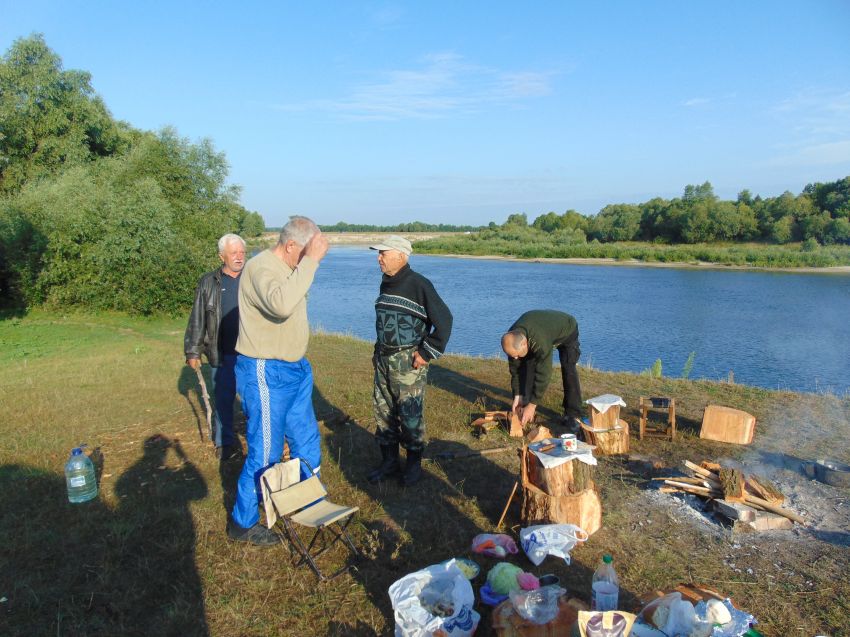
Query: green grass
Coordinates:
[150,556]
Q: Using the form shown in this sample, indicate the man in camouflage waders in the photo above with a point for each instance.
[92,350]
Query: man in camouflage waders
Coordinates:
[413,327]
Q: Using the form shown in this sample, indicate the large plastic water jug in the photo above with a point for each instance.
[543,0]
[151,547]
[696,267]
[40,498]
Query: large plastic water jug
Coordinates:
[80,477]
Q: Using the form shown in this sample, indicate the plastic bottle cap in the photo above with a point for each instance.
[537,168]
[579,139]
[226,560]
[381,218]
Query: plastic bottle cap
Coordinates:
[77,451]
[607,559]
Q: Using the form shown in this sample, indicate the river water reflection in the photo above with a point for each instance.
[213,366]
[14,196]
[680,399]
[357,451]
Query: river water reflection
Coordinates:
[772,329]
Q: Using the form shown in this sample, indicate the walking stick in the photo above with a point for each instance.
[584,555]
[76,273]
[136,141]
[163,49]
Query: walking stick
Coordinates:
[206,396]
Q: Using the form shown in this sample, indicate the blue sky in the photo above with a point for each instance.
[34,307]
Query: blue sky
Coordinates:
[466,112]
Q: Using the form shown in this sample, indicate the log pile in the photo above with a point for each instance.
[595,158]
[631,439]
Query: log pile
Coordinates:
[746,499]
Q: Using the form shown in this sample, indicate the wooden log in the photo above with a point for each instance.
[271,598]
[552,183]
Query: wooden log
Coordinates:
[609,442]
[733,484]
[690,488]
[700,470]
[539,433]
[583,509]
[714,467]
[751,499]
[570,477]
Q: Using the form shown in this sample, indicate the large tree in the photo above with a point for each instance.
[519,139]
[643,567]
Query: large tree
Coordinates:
[50,118]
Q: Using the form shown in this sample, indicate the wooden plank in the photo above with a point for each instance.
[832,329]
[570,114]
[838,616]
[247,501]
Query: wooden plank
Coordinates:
[735,510]
[726,424]
[769,522]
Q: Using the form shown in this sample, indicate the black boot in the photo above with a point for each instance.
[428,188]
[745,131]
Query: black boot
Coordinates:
[413,468]
[389,466]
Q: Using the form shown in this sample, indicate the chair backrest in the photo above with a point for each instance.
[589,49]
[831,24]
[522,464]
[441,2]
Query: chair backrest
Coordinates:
[277,477]
[297,496]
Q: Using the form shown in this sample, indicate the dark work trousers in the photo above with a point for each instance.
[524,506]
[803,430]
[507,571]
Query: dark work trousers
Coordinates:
[569,353]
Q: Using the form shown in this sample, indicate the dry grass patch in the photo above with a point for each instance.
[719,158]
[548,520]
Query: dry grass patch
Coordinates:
[150,556]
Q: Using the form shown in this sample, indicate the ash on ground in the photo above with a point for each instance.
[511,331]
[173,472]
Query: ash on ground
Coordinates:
[825,508]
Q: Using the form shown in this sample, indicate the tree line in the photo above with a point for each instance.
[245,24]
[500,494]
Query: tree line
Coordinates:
[94,212]
[820,213]
[414,226]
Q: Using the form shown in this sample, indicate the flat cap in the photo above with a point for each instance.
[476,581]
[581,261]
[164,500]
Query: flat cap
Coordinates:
[394,242]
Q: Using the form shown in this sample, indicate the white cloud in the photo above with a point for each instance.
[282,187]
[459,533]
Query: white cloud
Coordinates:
[443,83]
[696,101]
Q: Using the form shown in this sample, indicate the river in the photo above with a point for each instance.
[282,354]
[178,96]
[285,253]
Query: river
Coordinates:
[776,330]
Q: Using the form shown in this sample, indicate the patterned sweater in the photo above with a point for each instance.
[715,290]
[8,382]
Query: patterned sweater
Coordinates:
[410,313]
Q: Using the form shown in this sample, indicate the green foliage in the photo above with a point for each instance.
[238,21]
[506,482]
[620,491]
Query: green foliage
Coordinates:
[96,214]
[49,118]
[415,226]
[654,371]
[689,365]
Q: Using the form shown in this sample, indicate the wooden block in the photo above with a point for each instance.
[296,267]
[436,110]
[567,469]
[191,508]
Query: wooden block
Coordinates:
[516,426]
[766,521]
[732,481]
[606,420]
[726,424]
[539,433]
[735,510]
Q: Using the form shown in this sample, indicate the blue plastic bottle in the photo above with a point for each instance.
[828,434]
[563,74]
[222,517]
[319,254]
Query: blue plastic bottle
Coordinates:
[80,477]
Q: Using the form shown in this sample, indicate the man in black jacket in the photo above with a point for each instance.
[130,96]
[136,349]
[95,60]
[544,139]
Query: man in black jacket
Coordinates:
[413,327]
[212,330]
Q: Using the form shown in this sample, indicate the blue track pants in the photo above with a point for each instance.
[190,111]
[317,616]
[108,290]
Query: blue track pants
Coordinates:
[277,398]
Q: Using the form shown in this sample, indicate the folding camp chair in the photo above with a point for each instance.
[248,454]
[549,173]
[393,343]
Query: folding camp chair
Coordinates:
[296,502]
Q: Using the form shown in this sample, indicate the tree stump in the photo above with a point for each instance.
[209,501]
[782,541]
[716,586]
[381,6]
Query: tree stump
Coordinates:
[564,494]
[609,442]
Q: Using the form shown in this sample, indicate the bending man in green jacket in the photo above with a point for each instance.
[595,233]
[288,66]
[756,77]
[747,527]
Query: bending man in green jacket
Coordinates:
[529,344]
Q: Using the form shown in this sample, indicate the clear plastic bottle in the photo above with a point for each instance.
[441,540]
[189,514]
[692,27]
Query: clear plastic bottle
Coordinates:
[80,477]
[605,587]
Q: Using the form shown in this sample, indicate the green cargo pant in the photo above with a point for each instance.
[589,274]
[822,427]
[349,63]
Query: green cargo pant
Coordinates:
[398,399]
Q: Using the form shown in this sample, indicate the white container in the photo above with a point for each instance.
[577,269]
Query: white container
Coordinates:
[569,442]
[80,477]
[606,587]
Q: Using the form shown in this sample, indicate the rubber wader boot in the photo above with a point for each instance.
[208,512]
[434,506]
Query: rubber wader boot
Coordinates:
[389,466]
[413,468]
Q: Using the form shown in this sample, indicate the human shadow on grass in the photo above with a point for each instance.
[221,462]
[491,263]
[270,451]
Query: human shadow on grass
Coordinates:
[229,468]
[85,569]
[428,523]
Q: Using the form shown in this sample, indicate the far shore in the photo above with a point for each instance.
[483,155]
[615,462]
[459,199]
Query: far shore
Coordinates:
[354,238]
[366,238]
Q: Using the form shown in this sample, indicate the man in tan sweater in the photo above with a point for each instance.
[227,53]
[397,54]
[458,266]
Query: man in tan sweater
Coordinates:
[273,378]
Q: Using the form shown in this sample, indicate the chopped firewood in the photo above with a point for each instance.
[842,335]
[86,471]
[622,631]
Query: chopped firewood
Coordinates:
[733,484]
[700,470]
[710,466]
[690,488]
[765,490]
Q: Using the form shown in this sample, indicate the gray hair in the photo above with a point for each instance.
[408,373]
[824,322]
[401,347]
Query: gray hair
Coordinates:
[298,229]
[229,238]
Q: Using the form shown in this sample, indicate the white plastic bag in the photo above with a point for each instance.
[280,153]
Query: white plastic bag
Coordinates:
[442,586]
[550,539]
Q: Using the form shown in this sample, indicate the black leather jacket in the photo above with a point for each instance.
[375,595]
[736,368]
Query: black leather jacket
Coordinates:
[202,330]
